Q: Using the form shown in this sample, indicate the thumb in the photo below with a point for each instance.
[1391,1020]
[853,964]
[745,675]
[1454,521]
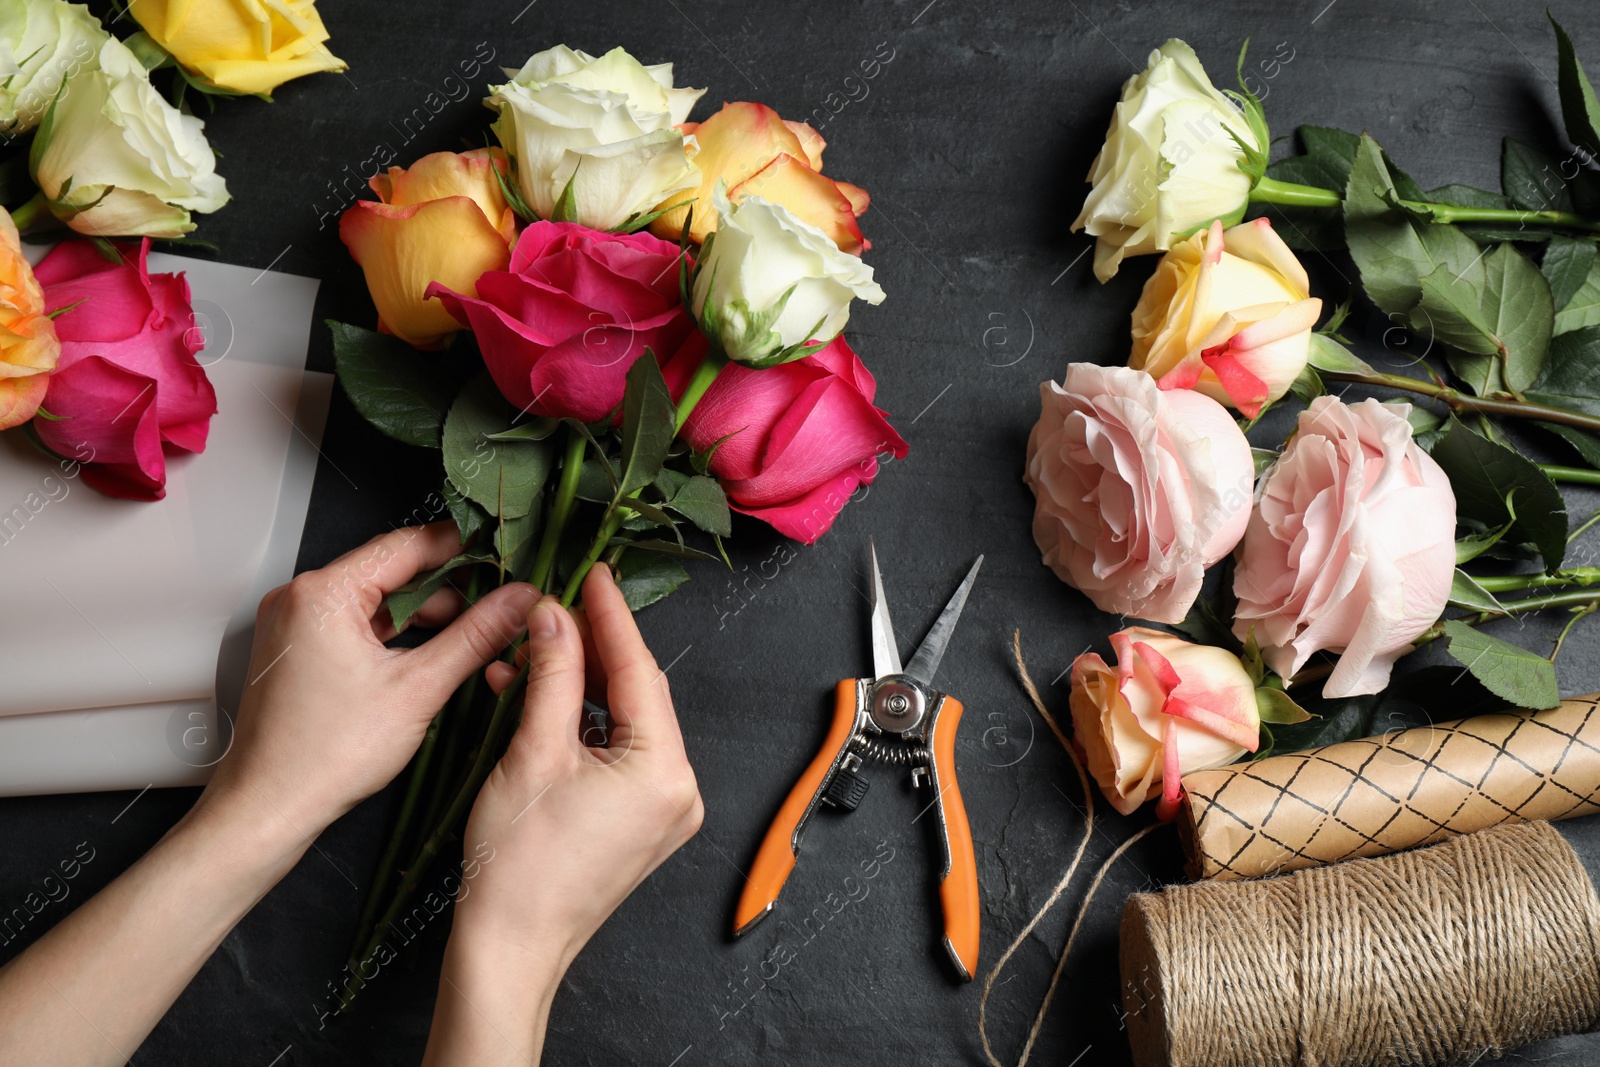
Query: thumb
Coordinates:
[554,655]
[476,637]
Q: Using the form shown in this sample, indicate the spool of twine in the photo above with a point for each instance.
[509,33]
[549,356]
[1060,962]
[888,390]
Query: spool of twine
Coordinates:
[1442,955]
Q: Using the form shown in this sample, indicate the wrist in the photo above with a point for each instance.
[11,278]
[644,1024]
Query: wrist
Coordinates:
[243,823]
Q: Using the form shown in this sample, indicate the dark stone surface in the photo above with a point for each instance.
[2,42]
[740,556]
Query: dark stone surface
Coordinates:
[973,140]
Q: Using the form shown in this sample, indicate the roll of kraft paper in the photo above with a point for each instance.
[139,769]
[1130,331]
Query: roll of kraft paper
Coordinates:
[1379,795]
[1442,955]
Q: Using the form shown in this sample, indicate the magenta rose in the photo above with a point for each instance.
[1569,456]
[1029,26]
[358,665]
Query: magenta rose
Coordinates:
[128,387]
[561,327]
[797,439]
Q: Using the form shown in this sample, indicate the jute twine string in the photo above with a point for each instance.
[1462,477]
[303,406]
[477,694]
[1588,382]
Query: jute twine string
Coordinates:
[1060,886]
[1442,955]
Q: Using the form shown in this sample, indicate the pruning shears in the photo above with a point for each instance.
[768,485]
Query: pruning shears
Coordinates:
[895,717]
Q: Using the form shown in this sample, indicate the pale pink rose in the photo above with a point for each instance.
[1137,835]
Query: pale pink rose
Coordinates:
[1227,312]
[1168,707]
[1351,547]
[1138,490]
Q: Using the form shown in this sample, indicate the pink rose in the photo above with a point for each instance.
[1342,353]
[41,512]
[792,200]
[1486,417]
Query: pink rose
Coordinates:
[128,387]
[1138,490]
[561,327]
[797,439]
[1351,547]
[1167,708]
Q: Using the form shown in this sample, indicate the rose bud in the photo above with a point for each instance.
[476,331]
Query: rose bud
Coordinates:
[607,126]
[1227,312]
[114,159]
[752,151]
[1167,708]
[796,440]
[128,386]
[1137,490]
[239,46]
[769,283]
[561,326]
[1351,547]
[443,220]
[29,349]
[46,41]
[1170,162]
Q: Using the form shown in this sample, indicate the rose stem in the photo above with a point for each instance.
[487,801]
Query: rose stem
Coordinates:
[34,210]
[1291,194]
[406,818]
[1580,531]
[481,766]
[1575,475]
[561,510]
[1459,401]
[608,529]
[704,375]
[1506,583]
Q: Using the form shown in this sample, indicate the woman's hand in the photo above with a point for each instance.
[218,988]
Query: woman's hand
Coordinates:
[329,715]
[560,833]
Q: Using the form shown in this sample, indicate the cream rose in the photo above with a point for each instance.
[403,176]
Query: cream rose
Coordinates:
[1137,490]
[1170,162]
[607,126]
[1351,547]
[1227,312]
[114,159]
[42,44]
[1168,707]
[767,283]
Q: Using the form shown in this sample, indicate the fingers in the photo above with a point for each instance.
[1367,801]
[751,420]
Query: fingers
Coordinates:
[477,636]
[594,674]
[500,675]
[635,686]
[385,563]
[555,678]
[440,608]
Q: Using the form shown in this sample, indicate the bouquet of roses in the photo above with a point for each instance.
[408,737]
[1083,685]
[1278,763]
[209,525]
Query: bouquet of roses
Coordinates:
[1360,530]
[613,327]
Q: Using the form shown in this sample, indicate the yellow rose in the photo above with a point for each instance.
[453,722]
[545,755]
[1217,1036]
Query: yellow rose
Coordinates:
[28,345]
[1227,312]
[445,220]
[241,46]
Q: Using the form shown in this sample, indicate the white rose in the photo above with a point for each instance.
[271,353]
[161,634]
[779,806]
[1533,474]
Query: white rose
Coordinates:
[607,126]
[114,159]
[1169,164]
[768,283]
[42,44]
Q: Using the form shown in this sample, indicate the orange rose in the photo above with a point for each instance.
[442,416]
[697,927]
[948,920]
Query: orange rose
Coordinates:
[28,345]
[442,220]
[752,151]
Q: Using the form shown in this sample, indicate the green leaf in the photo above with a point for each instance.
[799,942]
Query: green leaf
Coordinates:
[536,429]
[566,207]
[649,423]
[1484,474]
[702,501]
[1567,264]
[1586,444]
[1466,196]
[652,516]
[405,601]
[646,577]
[470,518]
[1531,178]
[1472,546]
[1497,310]
[1276,706]
[595,481]
[1582,308]
[1307,385]
[1524,678]
[403,392]
[516,540]
[1391,252]
[1328,354]
[1264,458]
[1467,594]
[669,548]
[1580,110]
[1572,373]
[503,476]
[1342,720]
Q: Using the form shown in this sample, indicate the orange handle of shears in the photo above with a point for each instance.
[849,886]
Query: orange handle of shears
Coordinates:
[958,892]
[776,857]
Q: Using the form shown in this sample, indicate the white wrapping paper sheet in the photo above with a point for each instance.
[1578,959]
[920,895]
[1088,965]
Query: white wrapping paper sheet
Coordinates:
[126,625]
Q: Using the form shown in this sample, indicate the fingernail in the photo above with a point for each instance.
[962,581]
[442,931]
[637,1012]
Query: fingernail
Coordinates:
[544,622]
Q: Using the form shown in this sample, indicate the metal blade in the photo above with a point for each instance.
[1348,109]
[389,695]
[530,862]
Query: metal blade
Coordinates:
[926,661]
[885,652]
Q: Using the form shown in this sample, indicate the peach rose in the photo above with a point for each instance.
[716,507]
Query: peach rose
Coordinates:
[1167,708]
[1351,547]
[442,220]
[28,346]
[752,151]
[1138,490]
[1227,312]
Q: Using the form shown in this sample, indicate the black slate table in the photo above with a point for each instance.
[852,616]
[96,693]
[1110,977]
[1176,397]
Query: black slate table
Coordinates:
[973,139]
